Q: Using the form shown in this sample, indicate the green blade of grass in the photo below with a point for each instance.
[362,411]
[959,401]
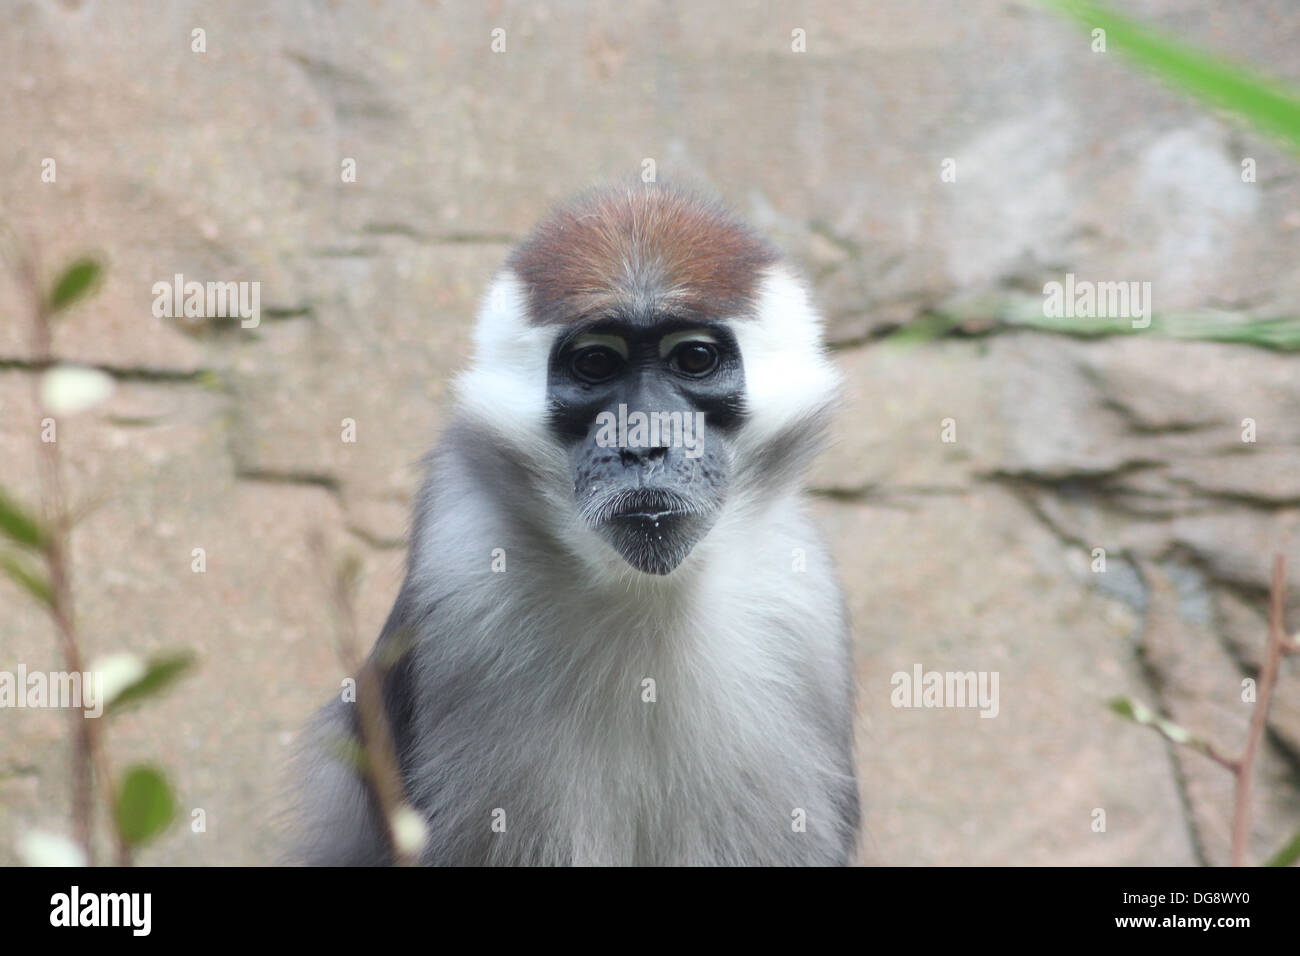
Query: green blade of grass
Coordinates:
[1267,105]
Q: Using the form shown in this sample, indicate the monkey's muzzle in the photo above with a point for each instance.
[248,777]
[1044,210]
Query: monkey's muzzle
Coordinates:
[654,530]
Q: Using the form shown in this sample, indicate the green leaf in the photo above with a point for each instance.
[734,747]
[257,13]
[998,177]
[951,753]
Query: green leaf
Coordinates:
[1124,707]
[26,578]
[18,525]
[160,672]
[77,281]
[145,804]
[1266,105]
[1288,855]
[1141,714]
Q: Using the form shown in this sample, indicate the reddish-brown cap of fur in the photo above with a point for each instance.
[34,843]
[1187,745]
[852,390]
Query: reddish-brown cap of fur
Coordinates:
[637,251]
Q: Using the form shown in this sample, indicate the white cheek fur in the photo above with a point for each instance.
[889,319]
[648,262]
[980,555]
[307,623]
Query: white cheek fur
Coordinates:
[505,385]
[787,374]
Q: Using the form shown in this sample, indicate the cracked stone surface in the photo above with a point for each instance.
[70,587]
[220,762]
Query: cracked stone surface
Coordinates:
[970,555]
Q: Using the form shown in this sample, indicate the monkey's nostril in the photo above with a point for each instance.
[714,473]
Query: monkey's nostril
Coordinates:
[641,456]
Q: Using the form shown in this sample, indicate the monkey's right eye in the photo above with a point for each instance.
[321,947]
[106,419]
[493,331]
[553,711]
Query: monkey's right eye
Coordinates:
[595,363]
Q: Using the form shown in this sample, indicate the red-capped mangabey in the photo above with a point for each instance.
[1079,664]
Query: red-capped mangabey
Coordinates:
[620,639]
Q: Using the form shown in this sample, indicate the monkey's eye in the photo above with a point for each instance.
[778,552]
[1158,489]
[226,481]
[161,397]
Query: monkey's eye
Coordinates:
[595,363]
[695,358]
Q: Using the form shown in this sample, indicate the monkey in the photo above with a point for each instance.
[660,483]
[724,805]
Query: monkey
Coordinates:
[613,647]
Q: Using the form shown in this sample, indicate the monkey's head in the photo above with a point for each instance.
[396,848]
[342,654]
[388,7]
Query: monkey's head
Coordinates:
[653,368]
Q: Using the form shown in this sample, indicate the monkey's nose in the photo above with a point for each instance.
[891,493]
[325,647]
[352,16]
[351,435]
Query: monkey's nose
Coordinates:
[632,457]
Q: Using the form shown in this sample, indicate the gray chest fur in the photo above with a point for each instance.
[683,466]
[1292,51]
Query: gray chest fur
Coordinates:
[656,727]
[702,718]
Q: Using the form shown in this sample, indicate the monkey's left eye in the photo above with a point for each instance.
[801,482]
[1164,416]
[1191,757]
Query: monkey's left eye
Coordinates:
[595,364]
[695,358]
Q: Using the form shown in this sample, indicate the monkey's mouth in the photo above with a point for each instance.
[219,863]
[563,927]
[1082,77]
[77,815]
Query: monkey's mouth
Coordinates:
[647,505]
[653,530]
[633,504]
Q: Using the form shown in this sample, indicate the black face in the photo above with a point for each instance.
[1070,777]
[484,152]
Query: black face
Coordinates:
[647,410]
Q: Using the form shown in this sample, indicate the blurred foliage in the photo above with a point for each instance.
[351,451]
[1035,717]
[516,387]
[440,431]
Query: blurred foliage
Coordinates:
[159,673]
[78,281]
[27,578]
[986,314]
[1288,855]
[141,800]
[1264,104]
[19,526]
[145,805]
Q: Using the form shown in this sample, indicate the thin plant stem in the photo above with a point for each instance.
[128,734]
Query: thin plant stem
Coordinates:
[1259,717]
